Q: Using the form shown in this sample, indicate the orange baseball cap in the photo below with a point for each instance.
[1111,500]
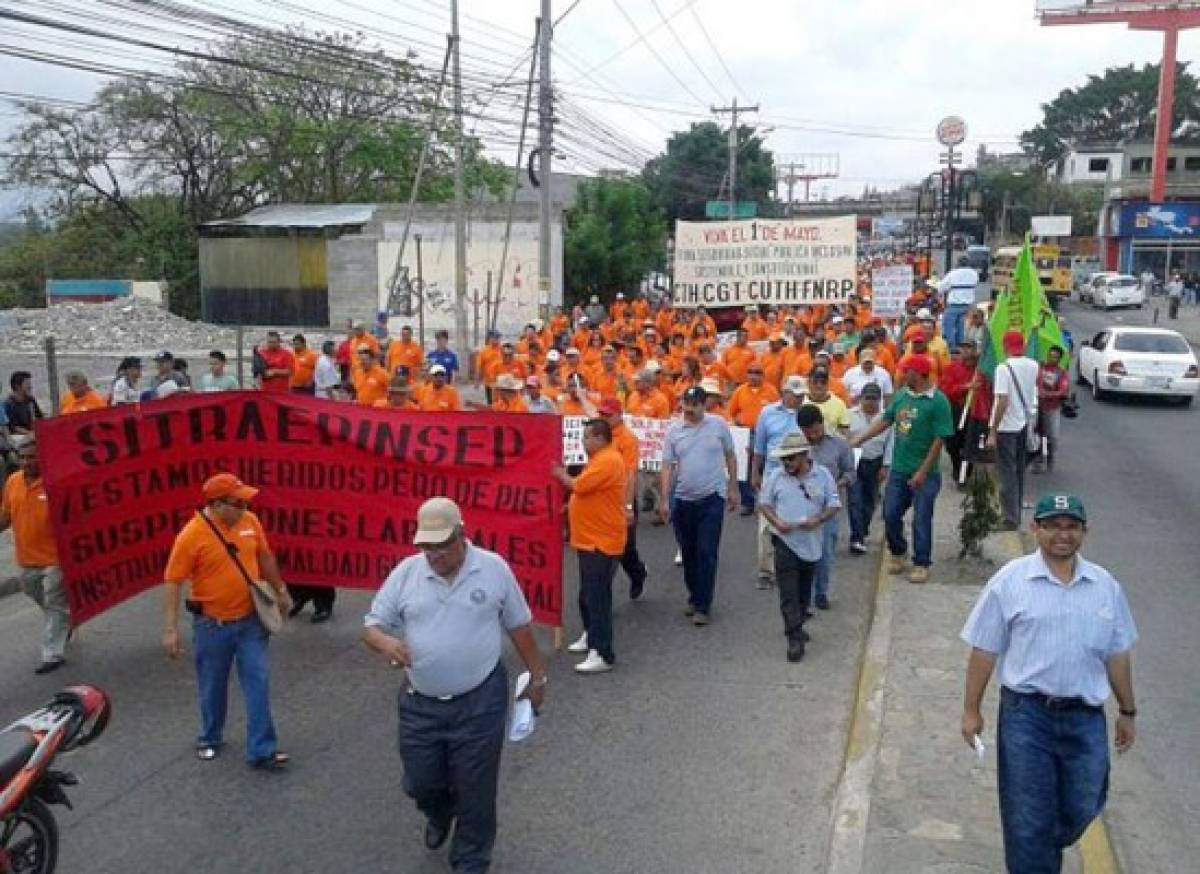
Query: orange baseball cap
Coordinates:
[226,485]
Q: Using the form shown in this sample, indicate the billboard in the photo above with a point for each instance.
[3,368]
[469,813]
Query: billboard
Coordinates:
[765,261]
[1050,225]
[1163,221]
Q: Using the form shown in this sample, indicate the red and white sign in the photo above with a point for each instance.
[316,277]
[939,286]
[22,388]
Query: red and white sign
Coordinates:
[951,131]
[340,487]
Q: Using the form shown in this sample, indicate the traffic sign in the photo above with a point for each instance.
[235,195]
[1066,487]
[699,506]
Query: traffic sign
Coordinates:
[951,131]
[719,209]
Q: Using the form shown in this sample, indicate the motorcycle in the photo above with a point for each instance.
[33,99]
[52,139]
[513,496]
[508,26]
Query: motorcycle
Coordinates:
[74,718]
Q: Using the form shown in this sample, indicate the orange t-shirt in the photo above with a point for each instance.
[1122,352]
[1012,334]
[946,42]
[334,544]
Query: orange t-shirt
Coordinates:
[651,405]
[756,328]
[626,444]
[488,355]
[737,359]
[408,406]
[569,406]
[597,507]
[29,511]
[516,405]
[93,400]
[200,558]
[306,366]
[401,354]
[747,402]
[438,400]
[773,364]
[371,385]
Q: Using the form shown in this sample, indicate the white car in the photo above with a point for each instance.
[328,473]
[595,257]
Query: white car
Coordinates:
[1085,285]
[1107,290]
[1145,361]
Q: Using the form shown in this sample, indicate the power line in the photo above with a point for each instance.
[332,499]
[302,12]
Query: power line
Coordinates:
[650,48]
[717,53]
[686,5]
[683,50]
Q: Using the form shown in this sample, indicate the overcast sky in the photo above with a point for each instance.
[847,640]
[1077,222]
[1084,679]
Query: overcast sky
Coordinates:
[826,75]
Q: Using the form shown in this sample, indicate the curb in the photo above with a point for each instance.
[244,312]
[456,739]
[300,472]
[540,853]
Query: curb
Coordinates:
[852,801]
[845,849]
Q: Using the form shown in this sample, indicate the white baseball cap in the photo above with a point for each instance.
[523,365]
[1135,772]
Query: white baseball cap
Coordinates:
[795,384]
[437,368]
[553,355]
[437,521]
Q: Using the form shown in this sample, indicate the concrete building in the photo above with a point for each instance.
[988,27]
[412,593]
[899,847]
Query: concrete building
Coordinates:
[1125,168]
[321,265]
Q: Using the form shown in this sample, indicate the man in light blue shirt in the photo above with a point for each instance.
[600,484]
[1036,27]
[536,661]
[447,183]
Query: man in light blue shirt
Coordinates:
[797,500]
[698,470]
[1061,631]
[775,422]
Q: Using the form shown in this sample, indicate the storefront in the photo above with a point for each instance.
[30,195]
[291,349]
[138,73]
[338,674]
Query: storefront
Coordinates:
[1157,237]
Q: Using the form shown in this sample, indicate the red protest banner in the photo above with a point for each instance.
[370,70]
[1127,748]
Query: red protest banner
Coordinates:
[341,485]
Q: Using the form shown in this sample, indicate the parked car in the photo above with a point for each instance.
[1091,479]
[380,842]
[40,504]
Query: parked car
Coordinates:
[1084,287]
[1107,290]
[1135,360]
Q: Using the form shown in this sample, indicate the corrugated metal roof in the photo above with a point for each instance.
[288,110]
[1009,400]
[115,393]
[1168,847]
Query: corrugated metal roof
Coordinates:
[301,215]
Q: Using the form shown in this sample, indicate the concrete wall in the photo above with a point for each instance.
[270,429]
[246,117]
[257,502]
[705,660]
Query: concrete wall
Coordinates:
[353,278]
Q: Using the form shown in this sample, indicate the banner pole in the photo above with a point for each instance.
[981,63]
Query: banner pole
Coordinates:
[52,373]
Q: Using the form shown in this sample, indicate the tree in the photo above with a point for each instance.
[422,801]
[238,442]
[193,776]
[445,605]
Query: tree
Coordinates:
[695,169]
[269,117]
[615,235]
[1030,194]
[1116,107]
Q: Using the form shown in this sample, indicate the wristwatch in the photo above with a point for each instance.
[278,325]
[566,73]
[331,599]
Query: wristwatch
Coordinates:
[539,682]
[1130,713]
[629,506]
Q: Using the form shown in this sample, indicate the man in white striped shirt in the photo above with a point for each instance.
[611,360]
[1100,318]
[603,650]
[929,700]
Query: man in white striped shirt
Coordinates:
[1061,630]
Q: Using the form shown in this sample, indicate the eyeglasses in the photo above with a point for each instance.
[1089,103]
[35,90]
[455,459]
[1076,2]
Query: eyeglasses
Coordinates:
[237,505]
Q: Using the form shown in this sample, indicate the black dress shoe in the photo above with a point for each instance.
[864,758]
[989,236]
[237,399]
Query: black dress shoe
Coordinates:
[50,666]
[295,611]
[321,616]
[822,602]
[795,650]
[636,589]
[436,834]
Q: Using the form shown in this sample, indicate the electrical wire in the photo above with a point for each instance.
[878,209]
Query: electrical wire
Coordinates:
[683,50]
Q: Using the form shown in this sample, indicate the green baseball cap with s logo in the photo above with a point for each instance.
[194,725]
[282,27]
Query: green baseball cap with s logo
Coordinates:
[1049,506]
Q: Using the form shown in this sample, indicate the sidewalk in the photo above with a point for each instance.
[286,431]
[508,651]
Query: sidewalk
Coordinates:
[932,803]
[1188,323]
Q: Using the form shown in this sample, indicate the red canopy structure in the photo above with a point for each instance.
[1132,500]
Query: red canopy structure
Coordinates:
[1168,16]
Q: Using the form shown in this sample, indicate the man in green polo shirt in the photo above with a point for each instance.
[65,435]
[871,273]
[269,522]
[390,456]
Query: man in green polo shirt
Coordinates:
[922,419]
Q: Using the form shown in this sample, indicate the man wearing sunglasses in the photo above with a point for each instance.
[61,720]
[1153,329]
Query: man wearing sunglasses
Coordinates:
[442,615]
[225,626]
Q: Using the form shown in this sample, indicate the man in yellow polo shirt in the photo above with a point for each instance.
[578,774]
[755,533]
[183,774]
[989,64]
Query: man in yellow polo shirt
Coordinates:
[225,626]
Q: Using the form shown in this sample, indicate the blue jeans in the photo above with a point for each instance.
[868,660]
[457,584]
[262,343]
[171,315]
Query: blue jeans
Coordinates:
[898,496]
[954,318]
[863,497]
[1053,779]
[217,646]
[698,530]
[829,533]
[747,494]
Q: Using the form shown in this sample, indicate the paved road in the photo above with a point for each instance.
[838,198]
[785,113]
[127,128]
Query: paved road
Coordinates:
[704,752]
[1135,463]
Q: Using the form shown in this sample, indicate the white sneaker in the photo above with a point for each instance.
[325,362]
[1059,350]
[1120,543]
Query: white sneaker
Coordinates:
[593,664]
[579,645]
[678,557]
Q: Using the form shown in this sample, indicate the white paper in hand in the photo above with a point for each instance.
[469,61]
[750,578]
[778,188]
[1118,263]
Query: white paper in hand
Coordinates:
[980,749]
[523,719]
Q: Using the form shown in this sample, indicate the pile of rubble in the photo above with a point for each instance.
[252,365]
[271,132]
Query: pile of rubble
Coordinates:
[119,327]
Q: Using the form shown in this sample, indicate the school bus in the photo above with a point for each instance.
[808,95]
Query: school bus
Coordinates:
[1052,265]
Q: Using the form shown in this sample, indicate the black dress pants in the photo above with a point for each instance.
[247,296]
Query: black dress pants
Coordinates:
[451,754]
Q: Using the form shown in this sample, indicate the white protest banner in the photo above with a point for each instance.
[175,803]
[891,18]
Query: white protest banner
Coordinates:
[764,261]
[890,288]
[741,450]
[573,451]
[650,433]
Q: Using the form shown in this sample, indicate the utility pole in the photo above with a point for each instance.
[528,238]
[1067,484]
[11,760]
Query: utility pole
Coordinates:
[734,110]
[545,147]
[460,194]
